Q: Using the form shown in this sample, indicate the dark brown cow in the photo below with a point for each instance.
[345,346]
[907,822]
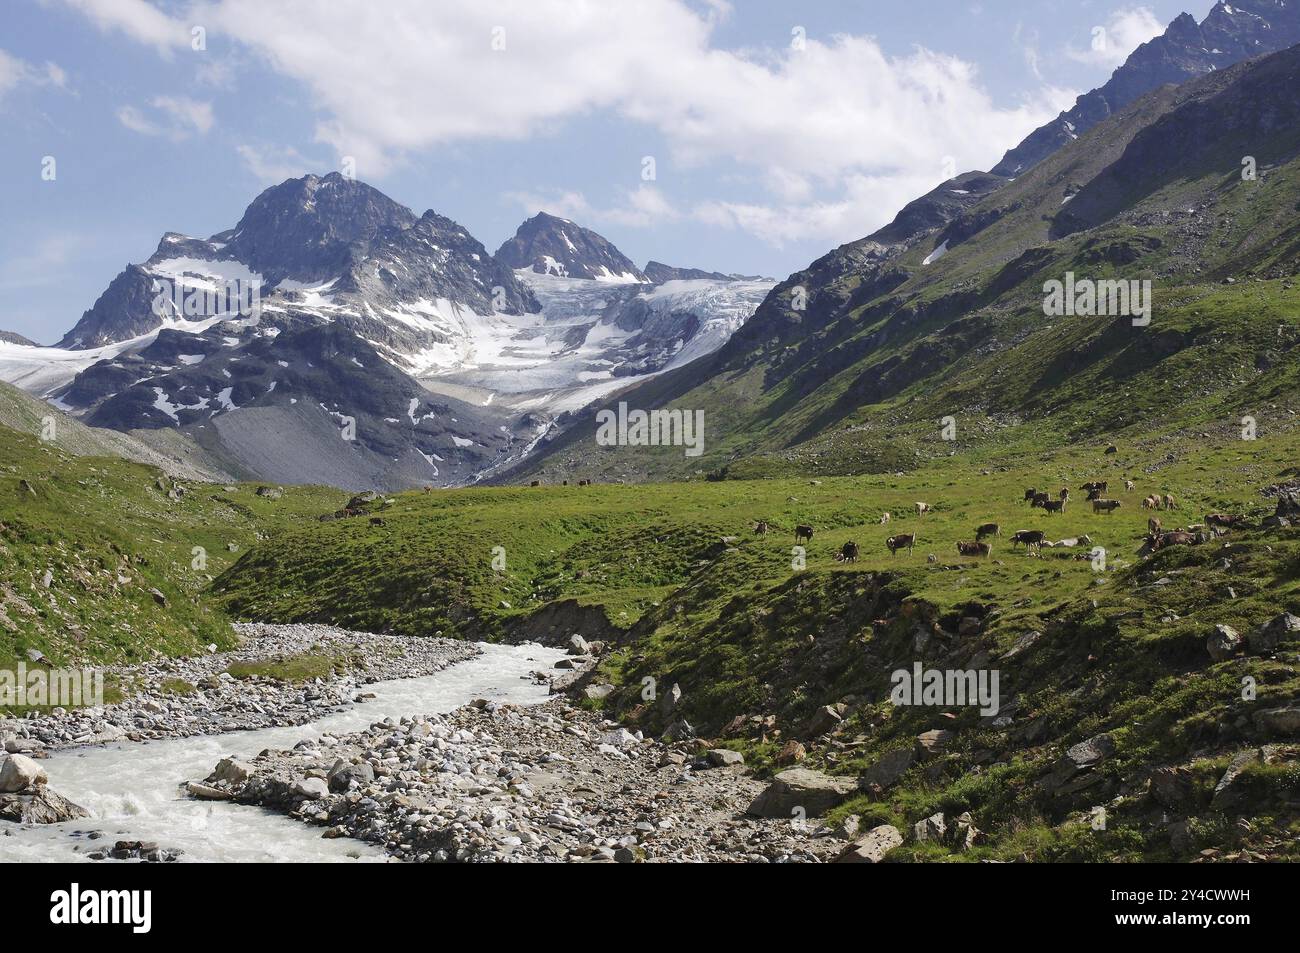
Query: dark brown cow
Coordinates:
[803,532]
[895,543]
[1030,494]
[975,549]
[1064,494]
[760,528]
[1032,538]
[848,553]
[1055,506]
[1040,499]
[1176,538]
[988,529]
[1226,520]
[1096,485]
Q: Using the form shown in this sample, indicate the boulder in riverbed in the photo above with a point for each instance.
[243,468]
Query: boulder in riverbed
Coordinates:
[814,792]
[20,773]
[872,848]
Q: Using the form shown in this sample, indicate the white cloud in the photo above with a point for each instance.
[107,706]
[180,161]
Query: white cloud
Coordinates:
[139,20]
[642,207]
[1112,43]
[175,117]
[15,72]
[819,130]
[271,165]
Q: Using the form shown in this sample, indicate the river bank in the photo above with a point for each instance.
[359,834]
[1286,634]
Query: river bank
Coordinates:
[495,782]
[198,695]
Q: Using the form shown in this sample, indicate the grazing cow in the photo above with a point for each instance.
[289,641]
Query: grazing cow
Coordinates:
[1105,506]
[988,529]
[1226,520]
[895,543]
[975,549]
[848,553]
[922,509]
[1112,449]
[1153,526]
[1094,494]
[1129,486]
[377,521]
[536,483]
[760,528]
[1064,494]
[1030,494]
[1032,539]
[1170,502]
[1096,485]
[1151,503]
[1176,538]
[803,532]
[884,518]
[1054,506]
[1040,499]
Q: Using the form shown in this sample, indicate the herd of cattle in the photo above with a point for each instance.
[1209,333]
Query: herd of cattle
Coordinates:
[1034,540]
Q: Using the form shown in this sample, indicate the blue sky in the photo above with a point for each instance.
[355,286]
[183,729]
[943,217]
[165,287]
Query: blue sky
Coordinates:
[777,130]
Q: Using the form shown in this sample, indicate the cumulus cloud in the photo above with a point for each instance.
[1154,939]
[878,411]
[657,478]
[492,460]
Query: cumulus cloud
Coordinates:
[1113,42]
[832,130]
[174,117]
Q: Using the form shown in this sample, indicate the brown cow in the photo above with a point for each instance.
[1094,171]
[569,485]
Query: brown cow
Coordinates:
[1176,538]
[1096,485]
[760,528]
[848,553]
[1106,506]
[803,532]
[1030,494]
[988,529]
[1040,499]
[975,549]
[895,543]
[1170,502]
[1153,526]
[1226,520]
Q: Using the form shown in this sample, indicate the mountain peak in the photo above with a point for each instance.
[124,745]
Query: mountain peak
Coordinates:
[551,245]
[302,228]
[1230,33]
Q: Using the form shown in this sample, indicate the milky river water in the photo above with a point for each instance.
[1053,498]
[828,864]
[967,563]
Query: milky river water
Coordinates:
[135,791]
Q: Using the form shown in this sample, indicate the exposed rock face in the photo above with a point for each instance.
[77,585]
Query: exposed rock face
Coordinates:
[657,272]
[12,337]
[1229,34]
[555,246]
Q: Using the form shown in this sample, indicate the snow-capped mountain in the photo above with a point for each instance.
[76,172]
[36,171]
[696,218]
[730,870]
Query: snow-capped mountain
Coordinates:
[333,336]
[547,245]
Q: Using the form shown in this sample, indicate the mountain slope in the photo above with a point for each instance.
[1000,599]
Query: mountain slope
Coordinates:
[169,451]
[1230,33]
[945,318]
